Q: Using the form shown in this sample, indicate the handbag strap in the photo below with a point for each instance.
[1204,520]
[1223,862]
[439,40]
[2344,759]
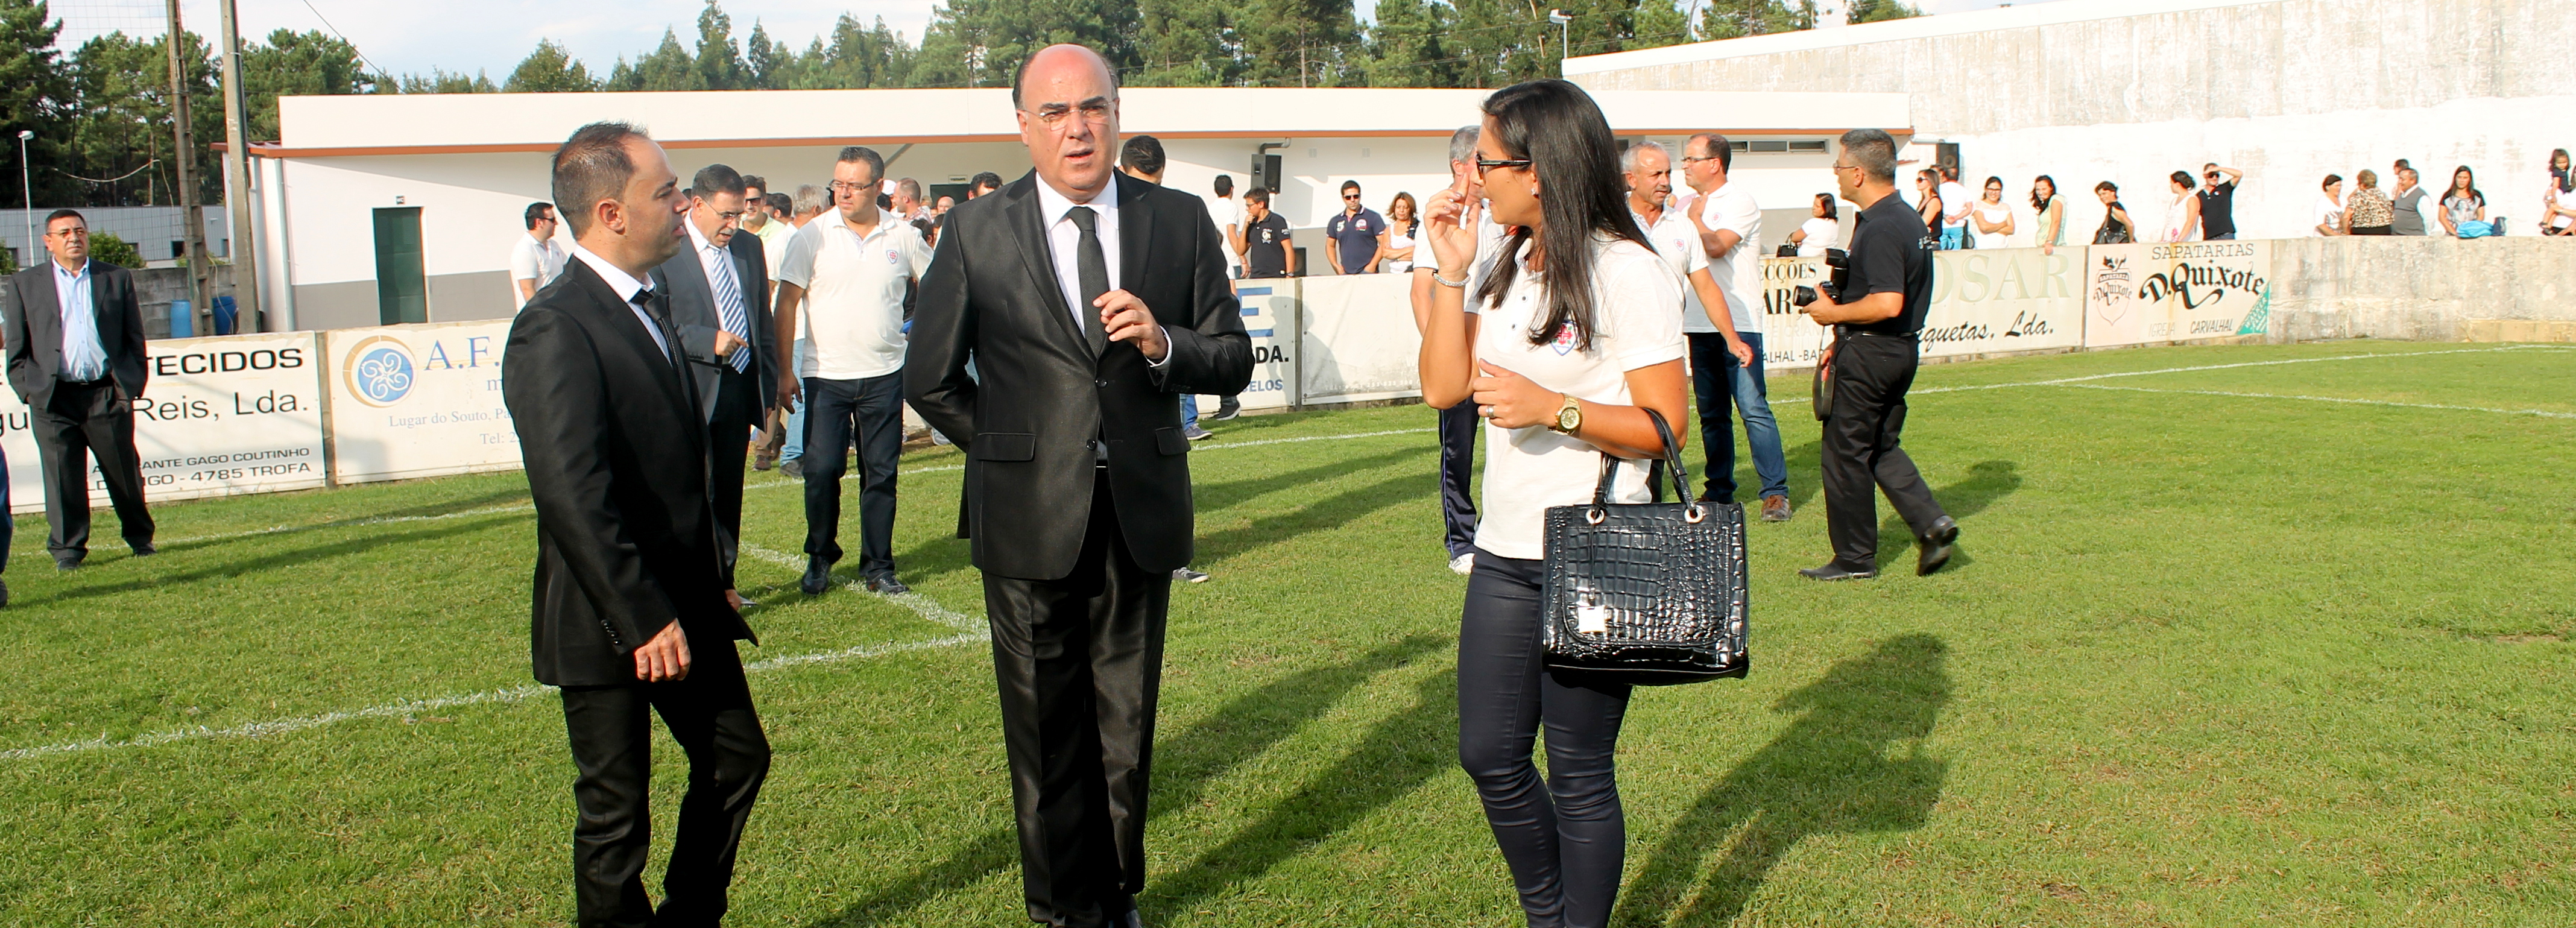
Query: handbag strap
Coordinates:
[1672,461]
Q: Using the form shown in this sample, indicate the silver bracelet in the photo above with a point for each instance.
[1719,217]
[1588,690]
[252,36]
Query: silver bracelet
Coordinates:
[1446,282]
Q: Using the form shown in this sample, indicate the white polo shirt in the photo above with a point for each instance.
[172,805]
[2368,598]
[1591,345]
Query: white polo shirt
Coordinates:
[1677,242]
[853,310]
[534,260]
[1739,274]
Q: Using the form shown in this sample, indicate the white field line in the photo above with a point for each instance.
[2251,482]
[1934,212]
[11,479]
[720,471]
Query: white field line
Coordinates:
[352,523]
[970,630]
[923,606]
[2065,381]
[854,474]
[2332,399]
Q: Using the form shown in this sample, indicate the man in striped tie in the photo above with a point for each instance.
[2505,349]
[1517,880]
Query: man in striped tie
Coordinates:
[717,284]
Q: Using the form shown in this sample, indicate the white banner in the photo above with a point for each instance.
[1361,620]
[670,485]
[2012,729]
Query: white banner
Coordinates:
[218,416]
[1270,317]
[1999,300]
[418,401]
[1789,340]
[1360,342]
[2134,294]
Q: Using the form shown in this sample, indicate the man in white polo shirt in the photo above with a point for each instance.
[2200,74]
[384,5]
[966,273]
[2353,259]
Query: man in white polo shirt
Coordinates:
[1650,185]
[850,269]
[536,259]
[1729,224]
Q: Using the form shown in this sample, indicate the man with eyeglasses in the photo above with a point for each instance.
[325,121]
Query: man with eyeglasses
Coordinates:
[1077,475]
[77,359]
[2218,202]
[1729,224]
[536,259]
[718,285]
[848,271]
[1877,319]
[1354,233]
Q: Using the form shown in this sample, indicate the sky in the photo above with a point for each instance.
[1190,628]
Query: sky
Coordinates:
[492,35]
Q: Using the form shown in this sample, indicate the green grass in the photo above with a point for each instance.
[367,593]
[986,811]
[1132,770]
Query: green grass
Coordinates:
[2205,660]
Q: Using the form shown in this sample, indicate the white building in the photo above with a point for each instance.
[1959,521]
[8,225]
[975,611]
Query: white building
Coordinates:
[369,199]
[2131,91]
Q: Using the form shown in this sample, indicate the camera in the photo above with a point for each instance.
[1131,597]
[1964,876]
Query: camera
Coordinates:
[1838,274]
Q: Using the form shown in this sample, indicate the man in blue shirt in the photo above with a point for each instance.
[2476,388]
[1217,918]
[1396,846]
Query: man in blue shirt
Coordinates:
[1354,232]
[76,358]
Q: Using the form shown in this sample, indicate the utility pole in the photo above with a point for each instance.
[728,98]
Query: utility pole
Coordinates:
[245,253]
[200,273]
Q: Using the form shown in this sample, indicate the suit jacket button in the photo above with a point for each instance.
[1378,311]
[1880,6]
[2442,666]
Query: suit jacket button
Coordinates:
[1100,383]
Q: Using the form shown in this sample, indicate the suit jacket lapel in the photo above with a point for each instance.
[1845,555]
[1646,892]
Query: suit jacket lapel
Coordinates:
[1135,229]
[44,310]
[1030,229]
[616,315]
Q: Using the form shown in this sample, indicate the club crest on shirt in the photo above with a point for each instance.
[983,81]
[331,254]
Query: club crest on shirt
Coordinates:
[1564,343]
[893,256]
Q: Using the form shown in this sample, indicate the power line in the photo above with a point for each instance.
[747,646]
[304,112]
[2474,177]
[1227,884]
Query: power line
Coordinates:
[344,37]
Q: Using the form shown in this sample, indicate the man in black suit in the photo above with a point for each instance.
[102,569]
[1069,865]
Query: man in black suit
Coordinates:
[1088,302]
[76,358]
[630,615]
[717,282]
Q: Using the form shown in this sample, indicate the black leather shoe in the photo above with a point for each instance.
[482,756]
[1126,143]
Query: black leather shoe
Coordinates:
[67,563]
[1936,546]
[818,576]
[887,585]
[1227,409]
[1834,570]
[145,549]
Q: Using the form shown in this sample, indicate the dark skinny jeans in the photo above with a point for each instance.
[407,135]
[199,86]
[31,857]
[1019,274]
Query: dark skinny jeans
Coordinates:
[1565,842]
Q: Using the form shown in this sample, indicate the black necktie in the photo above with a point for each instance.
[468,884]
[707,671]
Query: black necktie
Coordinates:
[656,307]
[1091,272]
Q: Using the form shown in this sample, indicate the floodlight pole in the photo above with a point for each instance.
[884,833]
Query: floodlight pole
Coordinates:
[27,184]
[1564,27]
[200,275]
[237,196]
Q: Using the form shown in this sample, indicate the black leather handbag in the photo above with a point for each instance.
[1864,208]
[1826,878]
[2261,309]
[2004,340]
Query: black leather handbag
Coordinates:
[1646,593]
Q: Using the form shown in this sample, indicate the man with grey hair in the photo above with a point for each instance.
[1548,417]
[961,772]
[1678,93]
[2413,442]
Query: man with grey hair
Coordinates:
[811,201]
[1459,426]
[1876,320]
[1729,224]
[908,202]
[630,617]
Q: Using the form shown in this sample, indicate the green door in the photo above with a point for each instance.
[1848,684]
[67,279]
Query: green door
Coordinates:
[402,290]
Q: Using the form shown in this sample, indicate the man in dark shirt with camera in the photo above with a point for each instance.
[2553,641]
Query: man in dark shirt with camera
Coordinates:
[1876,317]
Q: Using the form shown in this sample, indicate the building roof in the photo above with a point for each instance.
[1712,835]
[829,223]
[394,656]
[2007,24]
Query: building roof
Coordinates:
[2005,17]
[410,124]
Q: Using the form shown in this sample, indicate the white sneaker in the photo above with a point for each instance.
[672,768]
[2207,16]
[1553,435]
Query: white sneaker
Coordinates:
[1463,564]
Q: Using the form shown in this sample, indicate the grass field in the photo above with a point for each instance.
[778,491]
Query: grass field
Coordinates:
[2239,635]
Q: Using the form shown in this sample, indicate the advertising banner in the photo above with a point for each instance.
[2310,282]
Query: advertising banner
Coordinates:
[2005,299]
[1789,340]
[1270,317]
[218,416]
[2171,292]
[418,401]
[1360,343]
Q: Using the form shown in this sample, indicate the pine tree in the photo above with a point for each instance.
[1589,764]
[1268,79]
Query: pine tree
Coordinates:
[1733,19]
[550,69]
[1406,46]
[718,63]
[1872,11]
[34,93]
[668,67]
[296,64]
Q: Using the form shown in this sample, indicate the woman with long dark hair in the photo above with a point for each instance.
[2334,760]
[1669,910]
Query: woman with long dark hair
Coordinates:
[1927,183]
[1993,218]
[2116,228]
[1563,340]
[2558,203]
[2052,214]
[1821,230]
[2464,209]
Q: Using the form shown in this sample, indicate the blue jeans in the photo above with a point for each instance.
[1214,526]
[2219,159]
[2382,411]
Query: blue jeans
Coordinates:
[1189,411]
[1951,240]
[1716,381]
[795,447]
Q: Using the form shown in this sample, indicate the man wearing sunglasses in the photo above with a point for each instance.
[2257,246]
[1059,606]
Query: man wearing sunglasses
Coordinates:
[2218,202]
[1354,232]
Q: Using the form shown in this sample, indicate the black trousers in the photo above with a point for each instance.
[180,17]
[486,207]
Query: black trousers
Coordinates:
[737,410]
[80,422]
[710,715]
[871,409]
[1565,840]
[1713,386]
[1871,375]
[1460,430]
[1080,663]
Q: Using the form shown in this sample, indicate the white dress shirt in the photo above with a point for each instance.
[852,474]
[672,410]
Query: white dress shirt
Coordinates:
[1064,240]
[84,358]
[626,286]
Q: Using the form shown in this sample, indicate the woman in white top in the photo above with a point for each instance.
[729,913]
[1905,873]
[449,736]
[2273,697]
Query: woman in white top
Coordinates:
[2182,219]
[1993,217]
[1558,342]
[2330,208]
[2051,214]
[1396,242]
[2558,201]
[1821,230]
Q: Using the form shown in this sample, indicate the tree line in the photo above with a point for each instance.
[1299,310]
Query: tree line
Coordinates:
[101,112]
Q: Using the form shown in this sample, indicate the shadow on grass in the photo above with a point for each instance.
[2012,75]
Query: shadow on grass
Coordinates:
[1325,514]
[1830,772]
[1986,482]
[1397,756]
[946,553]
[273,560]
[1184,765]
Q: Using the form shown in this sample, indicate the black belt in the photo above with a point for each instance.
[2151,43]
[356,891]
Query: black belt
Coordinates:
[1844,330]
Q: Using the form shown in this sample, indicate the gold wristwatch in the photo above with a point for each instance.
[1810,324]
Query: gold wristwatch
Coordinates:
[1569,417]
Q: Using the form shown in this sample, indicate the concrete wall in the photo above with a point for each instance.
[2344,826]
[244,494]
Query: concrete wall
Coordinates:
[2424,289]
[2132,90]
